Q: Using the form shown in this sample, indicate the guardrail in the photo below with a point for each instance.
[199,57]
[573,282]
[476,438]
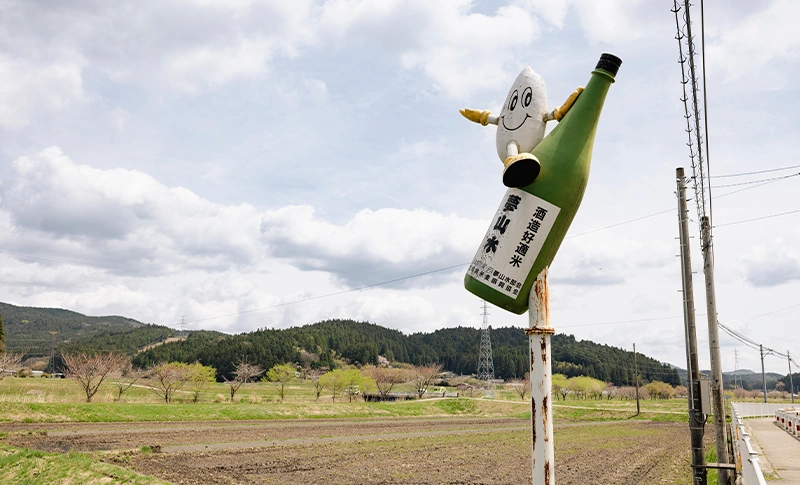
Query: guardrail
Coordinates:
[747,458]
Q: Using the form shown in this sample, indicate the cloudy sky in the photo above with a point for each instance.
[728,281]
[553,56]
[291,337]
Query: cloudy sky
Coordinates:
[224,161]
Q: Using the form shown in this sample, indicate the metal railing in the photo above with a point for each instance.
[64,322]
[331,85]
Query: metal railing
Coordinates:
[747,458]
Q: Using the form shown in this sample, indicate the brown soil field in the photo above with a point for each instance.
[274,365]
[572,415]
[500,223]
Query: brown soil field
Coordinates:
[373,451]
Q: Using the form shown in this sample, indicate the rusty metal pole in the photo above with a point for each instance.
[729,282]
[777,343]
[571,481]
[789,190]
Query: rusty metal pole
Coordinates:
[539,333]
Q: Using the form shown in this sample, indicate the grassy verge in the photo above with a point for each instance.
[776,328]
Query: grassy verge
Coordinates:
[26,467]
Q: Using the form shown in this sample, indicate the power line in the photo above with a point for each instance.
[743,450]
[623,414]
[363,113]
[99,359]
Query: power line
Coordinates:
[742,174]
[758,218]
[756,181]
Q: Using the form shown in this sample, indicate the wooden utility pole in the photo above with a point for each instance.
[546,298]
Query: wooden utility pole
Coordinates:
[763,375]
[696,419]
[791,382]
[720,424]
[636,370]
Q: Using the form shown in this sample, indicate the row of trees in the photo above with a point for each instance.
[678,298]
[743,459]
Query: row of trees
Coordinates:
[584,387]
[90,371]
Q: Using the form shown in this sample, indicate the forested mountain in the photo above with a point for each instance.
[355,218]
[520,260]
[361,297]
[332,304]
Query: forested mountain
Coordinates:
[361,342]
[38,329]
[128,341]
[320,344]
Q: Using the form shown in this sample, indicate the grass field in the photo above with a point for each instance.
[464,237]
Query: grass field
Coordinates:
[27,467]
[55,401]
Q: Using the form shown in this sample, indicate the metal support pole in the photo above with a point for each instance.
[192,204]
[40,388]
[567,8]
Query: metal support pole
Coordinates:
[720,425]
[791,382]
[696,418]
[763,376]
[543,465]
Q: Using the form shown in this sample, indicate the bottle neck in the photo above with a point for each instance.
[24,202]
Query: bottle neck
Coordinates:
[582,119]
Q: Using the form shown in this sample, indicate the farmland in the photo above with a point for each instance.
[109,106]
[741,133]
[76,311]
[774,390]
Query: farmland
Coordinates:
[50,436]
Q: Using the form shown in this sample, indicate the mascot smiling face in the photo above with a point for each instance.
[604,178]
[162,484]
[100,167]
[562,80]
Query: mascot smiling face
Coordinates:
[520,120]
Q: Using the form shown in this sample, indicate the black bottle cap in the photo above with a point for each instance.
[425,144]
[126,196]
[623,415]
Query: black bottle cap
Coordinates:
[610,63]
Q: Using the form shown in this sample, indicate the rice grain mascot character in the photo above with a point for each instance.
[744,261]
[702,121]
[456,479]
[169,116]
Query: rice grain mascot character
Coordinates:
[521,125]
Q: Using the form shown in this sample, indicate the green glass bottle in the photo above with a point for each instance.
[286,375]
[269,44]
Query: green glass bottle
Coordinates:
[531,222]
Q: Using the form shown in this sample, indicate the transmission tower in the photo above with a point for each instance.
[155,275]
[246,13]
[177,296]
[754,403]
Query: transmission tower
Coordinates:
[485,362]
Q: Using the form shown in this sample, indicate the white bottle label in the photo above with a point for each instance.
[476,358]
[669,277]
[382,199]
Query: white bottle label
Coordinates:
[513,241]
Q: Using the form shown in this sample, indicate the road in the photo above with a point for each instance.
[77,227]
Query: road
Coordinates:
[779,451]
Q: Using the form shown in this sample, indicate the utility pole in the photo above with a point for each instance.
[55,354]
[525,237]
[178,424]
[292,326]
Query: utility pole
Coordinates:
[763,376]
[696,420]
[720,424]
[636,371]
[791,382]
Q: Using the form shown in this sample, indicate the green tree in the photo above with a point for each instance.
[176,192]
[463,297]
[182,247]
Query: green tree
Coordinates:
[334,382]
[584,386]
[560,385]
[282,374]
[356,383]
[2,336]
[201,375]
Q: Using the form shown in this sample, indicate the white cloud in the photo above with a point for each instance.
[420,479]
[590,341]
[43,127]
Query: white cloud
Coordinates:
[123,220]
[119,116]
[30,88]
[738,48]
[459,50]
[374,246]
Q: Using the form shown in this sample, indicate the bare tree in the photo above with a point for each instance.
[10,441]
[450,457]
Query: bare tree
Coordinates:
[521,386]
[169,378]
[319,384]
[611,390]
[91,370]
[242,374]
[9,362]
[423,377]
[386,378]
[128,376]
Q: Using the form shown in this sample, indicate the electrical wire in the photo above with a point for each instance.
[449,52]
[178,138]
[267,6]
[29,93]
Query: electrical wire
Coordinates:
[758,218]
[742,174]
[756,181]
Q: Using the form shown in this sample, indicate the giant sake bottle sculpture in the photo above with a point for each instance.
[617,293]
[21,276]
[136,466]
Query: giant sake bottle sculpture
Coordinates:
[532,220]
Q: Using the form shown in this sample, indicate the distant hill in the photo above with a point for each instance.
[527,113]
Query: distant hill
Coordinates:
[361,342]
[745,378]
[320,344]
[37,329]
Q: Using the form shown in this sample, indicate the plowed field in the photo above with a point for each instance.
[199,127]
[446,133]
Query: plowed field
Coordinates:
[373,451]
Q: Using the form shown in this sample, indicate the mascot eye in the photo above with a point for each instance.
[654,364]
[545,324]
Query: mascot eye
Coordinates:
[527,95]
[513,103]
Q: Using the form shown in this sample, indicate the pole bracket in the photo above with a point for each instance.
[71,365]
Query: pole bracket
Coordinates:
[540,331]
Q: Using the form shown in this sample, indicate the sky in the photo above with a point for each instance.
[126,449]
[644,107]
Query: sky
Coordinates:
[255,164]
